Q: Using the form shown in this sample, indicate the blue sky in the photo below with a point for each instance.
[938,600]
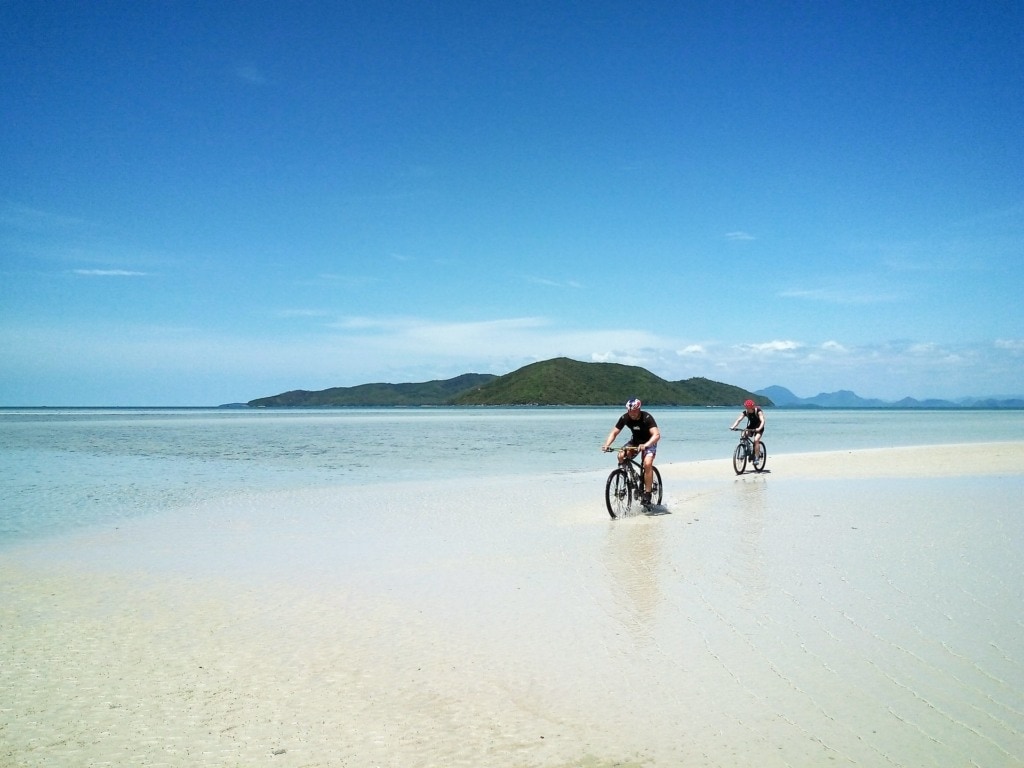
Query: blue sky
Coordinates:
[208,202]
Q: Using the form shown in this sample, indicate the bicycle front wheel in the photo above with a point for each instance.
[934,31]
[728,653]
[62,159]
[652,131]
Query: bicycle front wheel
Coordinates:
[761,459]
[739,459]
[617,493]
[656,487]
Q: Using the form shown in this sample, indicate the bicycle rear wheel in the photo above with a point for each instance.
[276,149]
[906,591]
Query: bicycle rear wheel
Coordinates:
[739,459]
[761,459]
[617,493]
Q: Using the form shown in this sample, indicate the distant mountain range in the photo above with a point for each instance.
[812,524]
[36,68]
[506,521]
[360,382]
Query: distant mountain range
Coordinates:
[551,382]
[783,398]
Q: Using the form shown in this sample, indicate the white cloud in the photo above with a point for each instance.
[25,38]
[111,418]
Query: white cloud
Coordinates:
[622,358]
[692,349]
[888,370]
[739,236]
[770,347]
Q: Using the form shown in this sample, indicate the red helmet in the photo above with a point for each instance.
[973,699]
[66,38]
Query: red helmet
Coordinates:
[749,404]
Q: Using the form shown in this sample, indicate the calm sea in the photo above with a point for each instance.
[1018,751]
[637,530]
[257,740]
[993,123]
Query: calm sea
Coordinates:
[65,468]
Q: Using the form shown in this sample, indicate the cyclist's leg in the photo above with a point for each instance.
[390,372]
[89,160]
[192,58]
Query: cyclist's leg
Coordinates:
[649,469]
[761,458]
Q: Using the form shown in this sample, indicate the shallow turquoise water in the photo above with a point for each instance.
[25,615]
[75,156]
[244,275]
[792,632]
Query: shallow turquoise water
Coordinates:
[62,469]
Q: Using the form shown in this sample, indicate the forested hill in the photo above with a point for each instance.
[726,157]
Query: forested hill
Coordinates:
[438,392]
[551,382]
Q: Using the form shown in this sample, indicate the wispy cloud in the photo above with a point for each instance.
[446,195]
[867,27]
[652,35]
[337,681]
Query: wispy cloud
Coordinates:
[346,281]
[1011,345]
[833,346]
[553,283]
[26,218]
[110,273]
[739,236]
[838,296]
[442,331]
[315,313]
[1011,214]
[250,73]
[503,342]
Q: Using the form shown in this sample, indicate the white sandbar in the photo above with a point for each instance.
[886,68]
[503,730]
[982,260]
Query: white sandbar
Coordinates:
[850,608]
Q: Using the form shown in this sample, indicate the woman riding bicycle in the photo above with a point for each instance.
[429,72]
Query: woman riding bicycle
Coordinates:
[755,423]
[645,437]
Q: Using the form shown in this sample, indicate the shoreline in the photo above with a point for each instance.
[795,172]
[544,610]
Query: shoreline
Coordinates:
[860,606]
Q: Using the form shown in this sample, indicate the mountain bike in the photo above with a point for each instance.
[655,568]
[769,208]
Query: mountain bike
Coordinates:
[625,485]
[745,451]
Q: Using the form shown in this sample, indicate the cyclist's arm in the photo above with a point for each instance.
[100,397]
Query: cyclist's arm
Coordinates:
[737,422]
[655,436]
[611,436]
[764,420]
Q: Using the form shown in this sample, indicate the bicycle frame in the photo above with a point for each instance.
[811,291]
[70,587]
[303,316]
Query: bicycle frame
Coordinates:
[625,484]
[634,469]
[744,452]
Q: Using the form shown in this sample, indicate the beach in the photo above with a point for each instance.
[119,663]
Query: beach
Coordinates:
[856,607]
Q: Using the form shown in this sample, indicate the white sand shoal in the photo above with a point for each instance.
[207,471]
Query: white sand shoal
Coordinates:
[857,608]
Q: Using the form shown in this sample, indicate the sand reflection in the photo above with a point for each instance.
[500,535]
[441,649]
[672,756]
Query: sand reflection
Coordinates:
[634,557]
[748,567]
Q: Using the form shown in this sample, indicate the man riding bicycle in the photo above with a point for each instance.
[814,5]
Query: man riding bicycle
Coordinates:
[755,423]
[645,437]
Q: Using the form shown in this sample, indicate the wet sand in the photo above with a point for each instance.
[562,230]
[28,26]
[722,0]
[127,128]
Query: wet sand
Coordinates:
[857,608]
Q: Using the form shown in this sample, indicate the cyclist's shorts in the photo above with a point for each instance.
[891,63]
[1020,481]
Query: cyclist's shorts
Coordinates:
[653,450]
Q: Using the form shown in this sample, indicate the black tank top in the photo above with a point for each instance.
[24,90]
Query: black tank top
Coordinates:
[753,419]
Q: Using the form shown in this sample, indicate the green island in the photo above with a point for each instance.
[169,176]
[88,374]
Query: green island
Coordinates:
[557,382]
